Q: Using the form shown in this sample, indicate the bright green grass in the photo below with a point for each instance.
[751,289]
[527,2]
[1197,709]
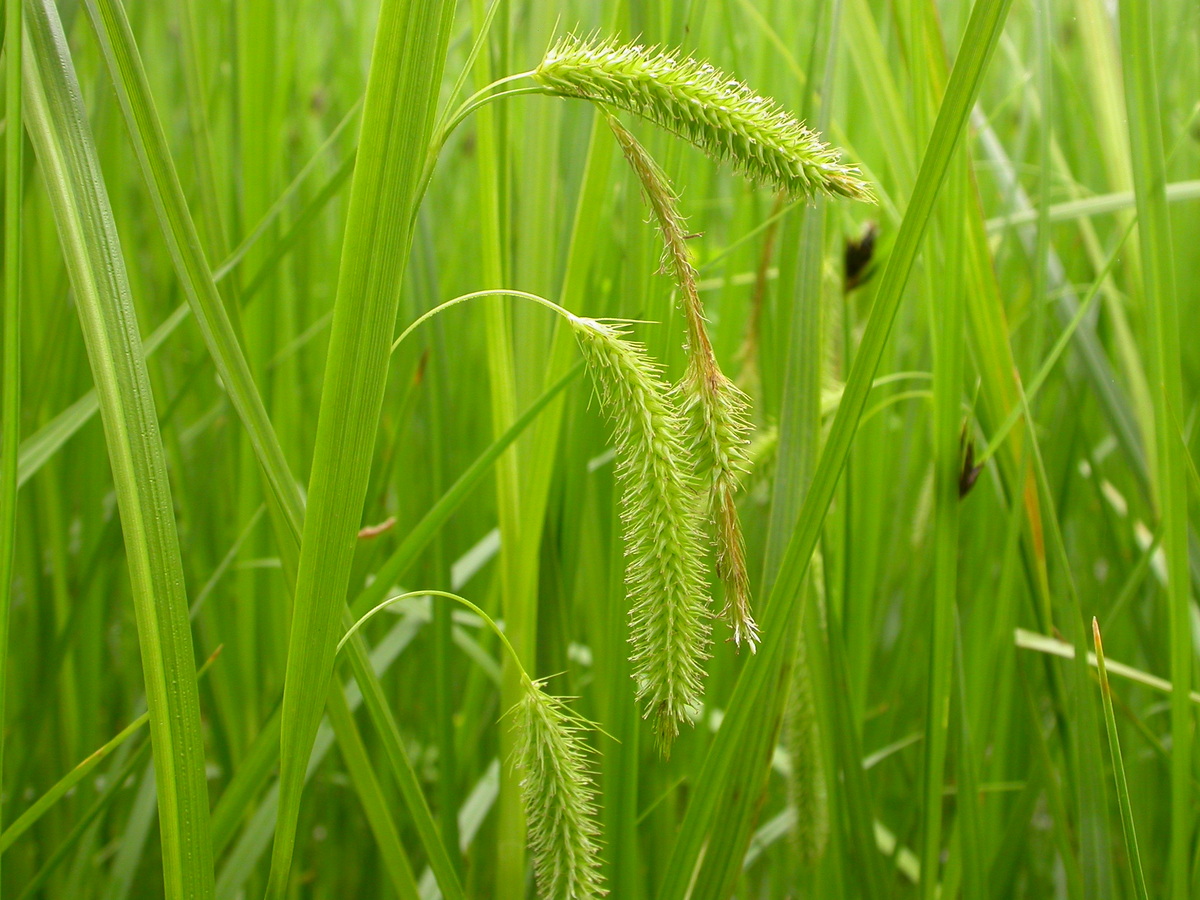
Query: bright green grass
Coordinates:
[290,186]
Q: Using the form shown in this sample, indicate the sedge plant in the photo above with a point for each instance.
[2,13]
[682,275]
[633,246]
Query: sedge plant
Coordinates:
[941,250]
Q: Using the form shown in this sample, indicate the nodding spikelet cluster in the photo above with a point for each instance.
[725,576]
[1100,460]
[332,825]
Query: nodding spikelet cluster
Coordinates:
[713,408]
[558,795]
[668,596]
[705,106]
[715,415]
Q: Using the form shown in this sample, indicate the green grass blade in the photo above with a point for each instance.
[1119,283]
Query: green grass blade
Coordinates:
[10,388]
[60,789]
[175,221]
[1117,201]
[1114,746]
[240,122]
[969,806]
[1084,748]
[358,762]
[753,688]
[67,782]
[856,798]
[406,778]
[237,804]
[406,67]
[799,446]
[1142,86]
[256,767]
[419,536]
[946,286]
[47,440]
[136,760]
[66,153]
[518,599]
[138,825]
[1040,643]
[949,345]
[1102,377]
[280,248]
[274,214]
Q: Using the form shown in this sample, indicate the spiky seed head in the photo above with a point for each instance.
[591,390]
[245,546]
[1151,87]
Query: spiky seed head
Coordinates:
[715,418]
[714,409]
[705,106]
[558,795]
[661,526]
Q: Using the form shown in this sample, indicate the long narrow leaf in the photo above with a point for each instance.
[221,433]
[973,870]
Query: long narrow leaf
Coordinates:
[758,678]
[1166,388]
[62,139]
[10,389]
[1114,746]
[406,66]
[133,91]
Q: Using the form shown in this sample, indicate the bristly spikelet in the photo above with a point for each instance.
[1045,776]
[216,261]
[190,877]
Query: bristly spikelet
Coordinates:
[715,417]
[714,409]
[664,574]
[559,797]
[705,106]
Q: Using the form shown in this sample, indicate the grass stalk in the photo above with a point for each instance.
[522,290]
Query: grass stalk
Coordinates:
[10,387]
[1166,388]
[978,44]
[397,122]
[1114,746]
[518,598]
[67,155]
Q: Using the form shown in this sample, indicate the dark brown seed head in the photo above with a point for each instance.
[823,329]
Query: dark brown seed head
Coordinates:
[859,252]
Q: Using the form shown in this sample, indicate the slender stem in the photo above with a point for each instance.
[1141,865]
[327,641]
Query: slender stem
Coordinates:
[1114,746]
[10,394]
[443,134]
[478,102]
[445,595]
[498,292]
[1142,79]
[480,97]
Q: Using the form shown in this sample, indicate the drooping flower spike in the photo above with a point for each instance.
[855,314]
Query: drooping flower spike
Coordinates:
[712,407]
[559,796]
[706,107]
[664,572]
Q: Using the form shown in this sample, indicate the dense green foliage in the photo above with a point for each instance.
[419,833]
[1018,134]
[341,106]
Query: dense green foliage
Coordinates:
[876,363]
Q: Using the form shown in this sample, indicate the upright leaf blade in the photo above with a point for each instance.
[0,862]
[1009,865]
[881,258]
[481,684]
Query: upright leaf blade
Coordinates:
[10,390]
[187,254]
[759,676]
[1166,389]
[406,67]
[1114,746]
[61,136]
